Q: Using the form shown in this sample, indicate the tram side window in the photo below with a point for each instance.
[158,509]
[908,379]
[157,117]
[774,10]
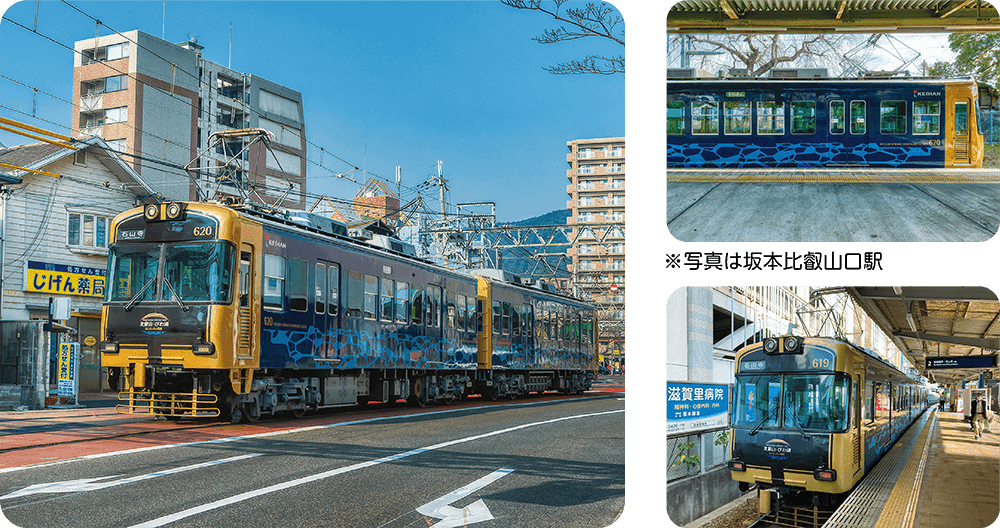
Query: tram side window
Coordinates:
[333,282]
[505,324]
[869,401]
[926,117]
[298,285]
[460,304]
[737,117]
[515,321]
[274,281]
[497,315]
[416,305]
[837,118]
[675,117]
[859,117]
[961,119]
[526,320]
[479,316]
[704,118]
[402,302]
[433,304]
[803,117]
[470,314]
[770,118]
[320,288]
[355,293]
[450,310]
[892,117]
[388,297]
[371,296]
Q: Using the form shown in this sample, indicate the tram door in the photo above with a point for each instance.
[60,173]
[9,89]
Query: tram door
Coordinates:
[856,413]
[327,307]
[857,136]
[838,130]
[960,139]
[246,323]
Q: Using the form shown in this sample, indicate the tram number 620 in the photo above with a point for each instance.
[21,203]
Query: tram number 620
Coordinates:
[202,231]
[821,363]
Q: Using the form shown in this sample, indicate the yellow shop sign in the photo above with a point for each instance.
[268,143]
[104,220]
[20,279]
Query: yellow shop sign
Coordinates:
[45,277]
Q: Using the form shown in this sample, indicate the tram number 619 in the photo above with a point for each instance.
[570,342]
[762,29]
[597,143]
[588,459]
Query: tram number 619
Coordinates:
[821,363]
[202,231]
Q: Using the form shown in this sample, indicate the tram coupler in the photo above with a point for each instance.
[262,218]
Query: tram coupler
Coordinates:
[766,502]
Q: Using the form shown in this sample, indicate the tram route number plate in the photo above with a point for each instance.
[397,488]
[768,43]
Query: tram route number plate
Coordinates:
[736,94]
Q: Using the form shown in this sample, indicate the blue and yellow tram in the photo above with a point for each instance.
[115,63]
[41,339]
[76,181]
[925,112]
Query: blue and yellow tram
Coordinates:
[215,309]
[772,123]
[816,414]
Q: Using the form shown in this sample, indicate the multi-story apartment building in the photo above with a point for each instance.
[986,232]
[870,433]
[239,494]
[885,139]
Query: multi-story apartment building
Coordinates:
[158,103]
[597,205]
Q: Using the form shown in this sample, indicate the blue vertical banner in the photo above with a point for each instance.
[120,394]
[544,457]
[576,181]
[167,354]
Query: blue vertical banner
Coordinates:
[69,362]
[696,406]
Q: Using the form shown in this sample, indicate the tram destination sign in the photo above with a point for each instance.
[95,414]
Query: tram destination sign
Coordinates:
[961,362]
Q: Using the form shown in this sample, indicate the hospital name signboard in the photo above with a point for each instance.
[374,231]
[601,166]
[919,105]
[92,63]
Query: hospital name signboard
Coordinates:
[696,406]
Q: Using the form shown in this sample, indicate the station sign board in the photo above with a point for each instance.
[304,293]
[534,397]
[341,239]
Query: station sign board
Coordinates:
[696,406]
[961,362]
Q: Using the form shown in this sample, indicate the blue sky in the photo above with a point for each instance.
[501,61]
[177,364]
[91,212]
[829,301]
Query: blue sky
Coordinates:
[383,83]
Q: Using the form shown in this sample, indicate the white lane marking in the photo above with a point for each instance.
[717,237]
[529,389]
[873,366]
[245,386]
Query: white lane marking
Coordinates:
[452,517]
[91,484]
[272,433]
[334,472]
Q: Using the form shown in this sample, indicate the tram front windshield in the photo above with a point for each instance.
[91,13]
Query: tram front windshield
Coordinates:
[193,272]
[793,401]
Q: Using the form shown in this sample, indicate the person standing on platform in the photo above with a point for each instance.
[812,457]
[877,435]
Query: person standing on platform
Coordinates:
[979,416]
[941,403]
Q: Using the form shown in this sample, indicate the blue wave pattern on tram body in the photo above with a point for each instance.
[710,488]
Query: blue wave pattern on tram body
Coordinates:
[747,155]
[298,349]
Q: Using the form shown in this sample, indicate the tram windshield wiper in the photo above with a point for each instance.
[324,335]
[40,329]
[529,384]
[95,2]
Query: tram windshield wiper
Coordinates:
[763,420]
[135,298]
[177,298]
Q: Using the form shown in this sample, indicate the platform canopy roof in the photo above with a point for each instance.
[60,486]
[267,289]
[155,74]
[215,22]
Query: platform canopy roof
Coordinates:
[936,322]
[814,16]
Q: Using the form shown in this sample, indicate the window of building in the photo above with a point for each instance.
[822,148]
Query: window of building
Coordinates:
[618,152]
[80,157]
[616,216]
[117,51]
[618,264]
[115,84]
[618,248]
[617,167]
[586,200]
[584,153]
[298,285]
[585,185]
[618,199]
[585,169]
[585,217]
[618,183]
[116,115]
[87,230]
[117,145]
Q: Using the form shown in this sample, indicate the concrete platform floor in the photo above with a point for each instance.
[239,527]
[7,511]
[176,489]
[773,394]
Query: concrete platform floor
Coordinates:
[832,212]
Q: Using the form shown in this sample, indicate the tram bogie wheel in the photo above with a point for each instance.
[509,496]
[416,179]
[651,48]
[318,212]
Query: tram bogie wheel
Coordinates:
[236,415]
[298,413]
[248,415]
[494,394]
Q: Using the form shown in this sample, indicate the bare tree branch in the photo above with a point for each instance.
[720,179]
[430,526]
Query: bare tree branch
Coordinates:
[594,20]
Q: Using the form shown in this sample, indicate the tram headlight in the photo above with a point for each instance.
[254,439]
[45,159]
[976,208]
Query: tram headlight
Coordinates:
[792,344]
[770,345]
[151,212]
[174,211]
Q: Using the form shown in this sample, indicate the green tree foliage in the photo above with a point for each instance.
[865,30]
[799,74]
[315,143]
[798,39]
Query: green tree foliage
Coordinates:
[977,54]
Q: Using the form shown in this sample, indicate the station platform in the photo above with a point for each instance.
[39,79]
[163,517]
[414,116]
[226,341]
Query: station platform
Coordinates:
[846,175]
[936,476]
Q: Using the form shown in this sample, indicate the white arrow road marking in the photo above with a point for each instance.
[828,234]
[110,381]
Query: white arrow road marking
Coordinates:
[473,513]
[333,472]
[70,486]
